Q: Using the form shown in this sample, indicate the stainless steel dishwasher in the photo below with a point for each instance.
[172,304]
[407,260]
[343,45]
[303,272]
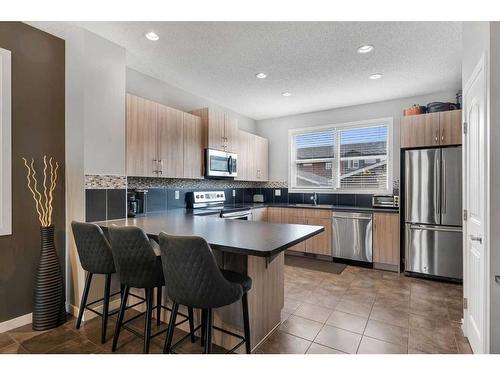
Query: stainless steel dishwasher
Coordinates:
[352,235]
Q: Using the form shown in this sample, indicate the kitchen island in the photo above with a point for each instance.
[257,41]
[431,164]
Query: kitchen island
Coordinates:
[253,248]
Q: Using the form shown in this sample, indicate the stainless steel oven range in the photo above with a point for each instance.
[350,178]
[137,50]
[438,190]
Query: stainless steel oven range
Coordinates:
[213,203]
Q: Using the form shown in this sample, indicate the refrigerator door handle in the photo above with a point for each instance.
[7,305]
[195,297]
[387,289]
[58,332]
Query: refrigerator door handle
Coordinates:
[437,191]
[435,228]
[443,188]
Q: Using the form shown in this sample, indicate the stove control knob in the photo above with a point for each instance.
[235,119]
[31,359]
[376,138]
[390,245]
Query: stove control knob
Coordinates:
[197,196]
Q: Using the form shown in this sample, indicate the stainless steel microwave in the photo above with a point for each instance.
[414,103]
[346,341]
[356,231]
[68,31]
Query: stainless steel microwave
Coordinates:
[220,164]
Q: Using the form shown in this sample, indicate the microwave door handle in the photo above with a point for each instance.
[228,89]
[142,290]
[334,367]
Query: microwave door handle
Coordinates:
[230,164]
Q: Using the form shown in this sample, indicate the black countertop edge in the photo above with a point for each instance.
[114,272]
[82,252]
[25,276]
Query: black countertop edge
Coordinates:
[322,207]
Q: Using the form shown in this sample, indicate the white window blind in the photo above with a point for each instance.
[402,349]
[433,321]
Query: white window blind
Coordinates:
[352,157]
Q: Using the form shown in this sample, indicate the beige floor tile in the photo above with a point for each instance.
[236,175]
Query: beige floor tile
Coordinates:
[291,304]
[387,332]
[321,349]
[359,308]
[323,297]
[313,312]
[338,339]
[5,340]
[395,317]
[434,309]
[301,327]
[347,321]
[283,343]
[370,345]
[14,348]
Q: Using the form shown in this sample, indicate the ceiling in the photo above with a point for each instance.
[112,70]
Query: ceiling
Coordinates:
[316,62]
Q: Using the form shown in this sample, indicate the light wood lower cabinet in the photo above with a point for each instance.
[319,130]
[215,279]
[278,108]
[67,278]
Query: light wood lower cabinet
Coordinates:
[386,245]
[259,214]
[320,244]
[274,215]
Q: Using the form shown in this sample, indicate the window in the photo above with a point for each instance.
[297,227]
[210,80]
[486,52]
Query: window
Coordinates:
[353,157]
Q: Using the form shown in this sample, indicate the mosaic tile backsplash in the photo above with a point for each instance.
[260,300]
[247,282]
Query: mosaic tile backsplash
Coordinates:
[105,182]
[177,183]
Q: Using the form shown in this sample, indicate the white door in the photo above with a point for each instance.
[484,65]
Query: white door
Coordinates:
[475,200]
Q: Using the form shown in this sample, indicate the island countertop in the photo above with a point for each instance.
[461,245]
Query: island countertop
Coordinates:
[235,236]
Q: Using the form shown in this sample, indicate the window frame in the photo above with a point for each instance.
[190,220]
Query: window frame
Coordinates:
[385,121]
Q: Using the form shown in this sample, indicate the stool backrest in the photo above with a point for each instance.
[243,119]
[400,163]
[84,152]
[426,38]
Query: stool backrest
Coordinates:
[192,277]
[136,262]
[93,248]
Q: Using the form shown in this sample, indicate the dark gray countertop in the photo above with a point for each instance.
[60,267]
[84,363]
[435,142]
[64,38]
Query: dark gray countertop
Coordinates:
[236,236]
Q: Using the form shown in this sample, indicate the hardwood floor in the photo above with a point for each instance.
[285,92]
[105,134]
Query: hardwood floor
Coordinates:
[359,311]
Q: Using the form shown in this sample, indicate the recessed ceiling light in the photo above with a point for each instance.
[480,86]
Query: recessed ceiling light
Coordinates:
[152,36]
[365,48]
[286,93]
[375,76]
[261,75]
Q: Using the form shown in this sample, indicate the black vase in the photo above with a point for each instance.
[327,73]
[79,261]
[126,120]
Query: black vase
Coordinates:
[49,309]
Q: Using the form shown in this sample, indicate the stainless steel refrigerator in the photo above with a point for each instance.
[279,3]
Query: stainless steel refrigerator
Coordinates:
[433,212]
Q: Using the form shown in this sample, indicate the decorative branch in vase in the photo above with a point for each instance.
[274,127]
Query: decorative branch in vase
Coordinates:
[49,297]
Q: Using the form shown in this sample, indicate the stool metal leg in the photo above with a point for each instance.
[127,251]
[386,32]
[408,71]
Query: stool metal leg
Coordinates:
[121,314]
[83,302]
[203,325]
[208,328]
[191,323]
[105,308]
[246,323]
[171,327]
[147,325]
[158,305]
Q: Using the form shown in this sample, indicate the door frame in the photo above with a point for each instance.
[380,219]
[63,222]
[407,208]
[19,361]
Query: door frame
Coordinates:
[481,66]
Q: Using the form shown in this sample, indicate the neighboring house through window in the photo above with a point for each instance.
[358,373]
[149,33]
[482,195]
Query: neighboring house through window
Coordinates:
[353,158]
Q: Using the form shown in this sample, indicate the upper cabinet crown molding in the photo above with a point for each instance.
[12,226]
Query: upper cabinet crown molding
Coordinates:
[431,129]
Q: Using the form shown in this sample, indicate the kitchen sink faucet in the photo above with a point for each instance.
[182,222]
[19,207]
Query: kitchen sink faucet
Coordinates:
[314,198]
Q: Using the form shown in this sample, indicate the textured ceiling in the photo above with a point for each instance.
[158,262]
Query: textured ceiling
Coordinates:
[316,61]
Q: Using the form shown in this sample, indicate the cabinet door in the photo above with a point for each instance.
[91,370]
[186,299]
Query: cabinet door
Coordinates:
[386,238]
[295,216]
[231,133]
[216,130]
[321,243]
[259,214]
[262,155]
[170,124]
[252,162]
[450,126]
[142,139]
[274,215]
[419,130]
[243,156]
[193,146]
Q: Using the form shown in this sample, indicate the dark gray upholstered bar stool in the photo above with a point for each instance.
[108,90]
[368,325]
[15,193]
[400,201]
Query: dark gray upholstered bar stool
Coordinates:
[138,267]
[193,279]
[94,252]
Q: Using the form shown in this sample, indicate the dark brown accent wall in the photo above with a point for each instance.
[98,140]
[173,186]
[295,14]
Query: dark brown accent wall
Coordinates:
[38,119]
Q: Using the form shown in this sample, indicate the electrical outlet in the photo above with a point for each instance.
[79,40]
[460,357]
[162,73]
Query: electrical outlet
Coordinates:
[177,194]
[234,193]
[277,193]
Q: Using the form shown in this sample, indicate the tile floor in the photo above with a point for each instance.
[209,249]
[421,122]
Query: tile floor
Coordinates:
[359,311]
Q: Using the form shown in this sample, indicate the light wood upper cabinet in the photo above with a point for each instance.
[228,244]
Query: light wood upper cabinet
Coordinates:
[163,141]
[244,159]
[221,129]
[142,139]
[431,129]
[253,157]
[193,146]
[262,158]
[171,146]
[386,246]
[450,123]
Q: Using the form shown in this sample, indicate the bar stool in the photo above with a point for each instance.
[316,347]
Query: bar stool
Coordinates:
[95,256]
[193,279]
[138,267]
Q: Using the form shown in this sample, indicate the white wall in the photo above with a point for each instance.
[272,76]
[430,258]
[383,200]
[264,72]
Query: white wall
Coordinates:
[276,130]
[104,106]
[153,89]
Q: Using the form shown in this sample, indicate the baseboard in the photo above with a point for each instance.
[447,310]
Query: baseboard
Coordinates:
[16,322]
